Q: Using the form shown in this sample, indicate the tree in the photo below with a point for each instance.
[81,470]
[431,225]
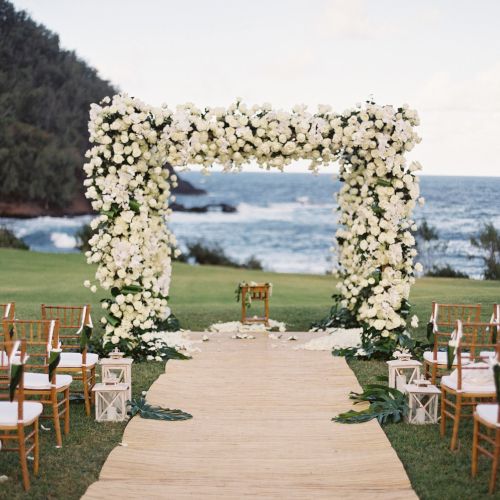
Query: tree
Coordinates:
[488,240]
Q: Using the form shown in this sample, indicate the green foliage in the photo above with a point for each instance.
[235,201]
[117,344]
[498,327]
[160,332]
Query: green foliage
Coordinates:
[445,271]
[386,405]
[339,317]
[488,240]
[214,255]
[9,240]
[83,236]
[145,410]
[45,95]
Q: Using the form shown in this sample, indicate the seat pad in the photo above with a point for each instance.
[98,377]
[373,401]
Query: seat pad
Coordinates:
[442,357]
[40,381]
[74,359]
[489,413]
[8,412]
[473,381]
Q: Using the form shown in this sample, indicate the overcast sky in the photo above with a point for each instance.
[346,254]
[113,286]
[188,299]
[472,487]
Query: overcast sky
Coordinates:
[441,57]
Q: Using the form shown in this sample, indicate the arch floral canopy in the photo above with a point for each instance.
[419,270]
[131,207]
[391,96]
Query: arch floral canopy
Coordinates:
[130,189]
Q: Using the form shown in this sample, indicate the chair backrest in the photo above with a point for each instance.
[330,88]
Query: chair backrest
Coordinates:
[476,345]
[495,317]
[446,315]
[12,359]
[72,319]
[41,336]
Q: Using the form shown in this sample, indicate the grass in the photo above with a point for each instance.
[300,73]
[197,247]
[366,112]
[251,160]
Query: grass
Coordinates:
[201,296]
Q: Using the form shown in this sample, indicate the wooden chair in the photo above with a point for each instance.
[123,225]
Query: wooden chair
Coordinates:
[77,361]
[443,321]
[472,380]
[486,437]
[42,339]
[17,416]
[495,317]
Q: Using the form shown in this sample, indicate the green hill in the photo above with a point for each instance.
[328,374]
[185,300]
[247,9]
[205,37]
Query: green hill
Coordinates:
[45,94]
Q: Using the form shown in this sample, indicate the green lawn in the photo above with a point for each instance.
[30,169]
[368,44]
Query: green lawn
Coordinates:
[199,297]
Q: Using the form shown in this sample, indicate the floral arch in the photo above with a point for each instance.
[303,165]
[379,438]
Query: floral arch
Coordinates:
[130,189]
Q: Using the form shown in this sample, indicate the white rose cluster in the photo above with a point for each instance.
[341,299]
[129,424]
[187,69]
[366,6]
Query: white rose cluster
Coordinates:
[375,243]
[129,187]
[131,245]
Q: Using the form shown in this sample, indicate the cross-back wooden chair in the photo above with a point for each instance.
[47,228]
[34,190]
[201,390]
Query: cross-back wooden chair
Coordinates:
[495,317]
[472,380]
[40,379]
[486,437]
[440,327]
[18,418]
[75,328]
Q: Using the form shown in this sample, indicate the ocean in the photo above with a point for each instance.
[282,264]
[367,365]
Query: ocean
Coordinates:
[287,221]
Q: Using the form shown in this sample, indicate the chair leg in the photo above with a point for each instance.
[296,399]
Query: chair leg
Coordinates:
[22,457]
[456,422]
[443,414]
[92,383]
[66,411]
[433,374]
[36,449]
[86,395]
[57,423]
[475,439]
[494,465]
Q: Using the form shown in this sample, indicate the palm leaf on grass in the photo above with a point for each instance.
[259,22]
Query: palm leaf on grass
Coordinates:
[145,410]
[386,405]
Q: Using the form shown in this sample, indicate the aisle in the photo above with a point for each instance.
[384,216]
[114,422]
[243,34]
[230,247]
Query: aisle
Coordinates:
[261,429]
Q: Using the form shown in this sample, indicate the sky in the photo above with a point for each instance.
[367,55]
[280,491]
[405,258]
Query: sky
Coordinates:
[442,57]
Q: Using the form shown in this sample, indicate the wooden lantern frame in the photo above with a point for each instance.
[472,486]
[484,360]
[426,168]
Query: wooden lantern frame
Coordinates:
[257,292]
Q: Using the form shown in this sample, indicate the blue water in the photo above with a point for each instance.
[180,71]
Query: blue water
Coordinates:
[287,221]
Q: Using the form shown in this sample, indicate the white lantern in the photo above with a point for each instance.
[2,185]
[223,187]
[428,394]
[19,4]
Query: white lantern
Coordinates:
[403,371]
[110,402]
[423,400]
[117,369]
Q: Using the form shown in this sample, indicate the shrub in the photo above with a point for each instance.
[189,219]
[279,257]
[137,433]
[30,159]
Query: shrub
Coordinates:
[83,236]
[9,240]
[445,272]
[214,255]
[488,240]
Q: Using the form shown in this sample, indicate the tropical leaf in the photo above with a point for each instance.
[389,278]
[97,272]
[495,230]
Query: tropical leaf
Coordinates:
[430,332]
[54,359]
[451,355]
[496,374]
[173,353]
[386,405]
[85,337]
[16,372]
[145,410]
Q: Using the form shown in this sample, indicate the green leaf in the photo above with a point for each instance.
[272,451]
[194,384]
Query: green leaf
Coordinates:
[11,332]
[145,410]
[112,320]
[496,374]
[172,353]
[131,289]
[134,206]
[85,337]
[430,332]
[451,355]
[16,372]
[54,359]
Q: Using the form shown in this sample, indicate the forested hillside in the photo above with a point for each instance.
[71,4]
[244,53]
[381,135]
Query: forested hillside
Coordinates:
[45,94]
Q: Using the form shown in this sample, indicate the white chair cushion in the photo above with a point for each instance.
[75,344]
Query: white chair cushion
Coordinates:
[40,381]
[442,357]
[74,359]
[489,413]
[478,380]
[8,412]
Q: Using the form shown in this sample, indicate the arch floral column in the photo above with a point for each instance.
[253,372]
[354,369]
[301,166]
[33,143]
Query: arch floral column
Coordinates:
[131,246]
[375,244]
[128,187]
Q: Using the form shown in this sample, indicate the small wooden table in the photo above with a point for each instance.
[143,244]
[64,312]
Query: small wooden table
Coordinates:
[257,292]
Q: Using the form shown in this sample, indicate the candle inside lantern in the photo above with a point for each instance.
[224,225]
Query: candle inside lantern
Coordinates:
[420,416]
[400,382]
[112,413]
